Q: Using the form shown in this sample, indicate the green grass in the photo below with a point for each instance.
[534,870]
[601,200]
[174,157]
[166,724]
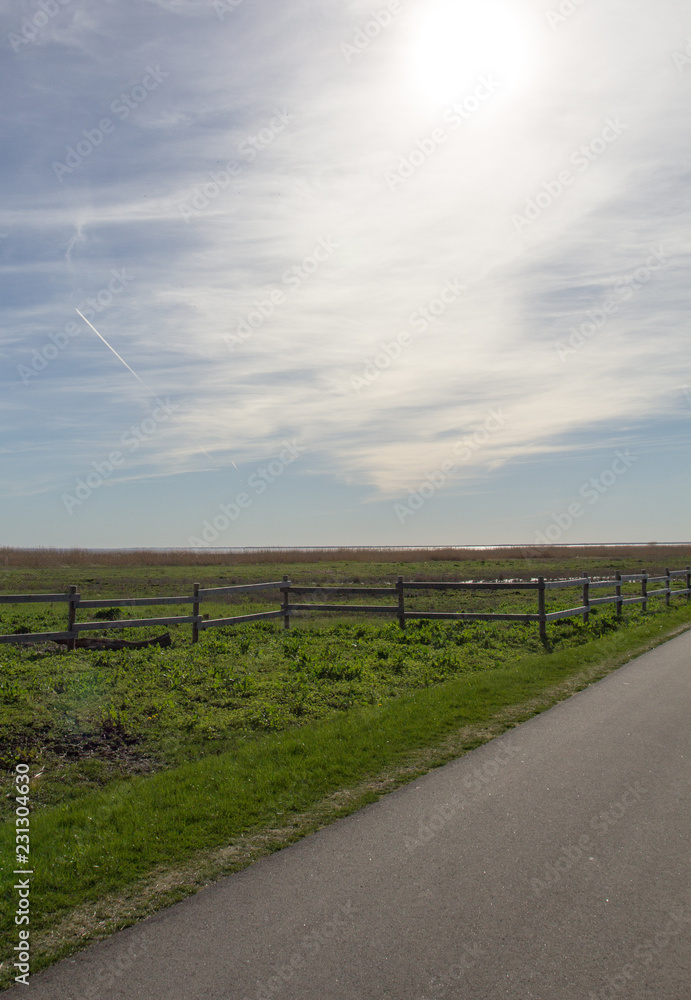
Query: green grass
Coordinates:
[160,573]
[123,574]
[87,718]
[383,701]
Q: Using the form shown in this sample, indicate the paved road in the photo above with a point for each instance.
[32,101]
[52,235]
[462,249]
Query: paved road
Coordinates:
[551,863]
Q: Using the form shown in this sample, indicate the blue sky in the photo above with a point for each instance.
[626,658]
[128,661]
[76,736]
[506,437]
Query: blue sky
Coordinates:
[406,273]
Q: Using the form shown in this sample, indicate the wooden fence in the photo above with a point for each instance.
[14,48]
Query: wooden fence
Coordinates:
[397,593]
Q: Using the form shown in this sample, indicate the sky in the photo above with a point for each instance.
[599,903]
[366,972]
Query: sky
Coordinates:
[312,273]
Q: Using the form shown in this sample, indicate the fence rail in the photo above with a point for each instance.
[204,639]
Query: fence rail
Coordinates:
[398,592]
[36,598]
[134,602]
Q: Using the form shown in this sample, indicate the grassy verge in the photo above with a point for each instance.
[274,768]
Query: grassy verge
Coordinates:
[108,857]
[82,720]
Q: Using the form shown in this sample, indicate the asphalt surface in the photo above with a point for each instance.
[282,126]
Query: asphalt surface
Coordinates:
[551,863]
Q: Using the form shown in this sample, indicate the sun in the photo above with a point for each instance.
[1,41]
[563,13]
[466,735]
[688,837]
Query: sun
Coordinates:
[456,42]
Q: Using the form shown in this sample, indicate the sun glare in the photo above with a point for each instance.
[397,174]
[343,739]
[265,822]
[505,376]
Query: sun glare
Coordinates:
[456,43]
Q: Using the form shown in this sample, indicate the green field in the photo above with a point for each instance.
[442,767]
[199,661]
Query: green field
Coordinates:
[160,574]
[146,763]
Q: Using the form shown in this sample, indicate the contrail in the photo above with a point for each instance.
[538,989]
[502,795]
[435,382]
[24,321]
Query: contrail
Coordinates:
[147,387]
[141,381]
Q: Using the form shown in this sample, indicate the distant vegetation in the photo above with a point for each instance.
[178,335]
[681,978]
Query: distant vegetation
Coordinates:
[651,555]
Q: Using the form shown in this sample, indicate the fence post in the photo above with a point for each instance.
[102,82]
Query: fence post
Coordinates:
[71,619]
[668,585]
[644,590]
[618,592]
[541,610]
[285,606]
[195,612]
[688,583]
[586,597]
[401,602]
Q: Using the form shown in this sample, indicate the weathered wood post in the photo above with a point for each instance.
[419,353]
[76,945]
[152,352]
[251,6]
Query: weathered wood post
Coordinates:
[644,590]
[668,586]
[617,591]
[586,598]
[541,608]
[285,605]
[688,583]
[195,612]
[401,602]
[71,618]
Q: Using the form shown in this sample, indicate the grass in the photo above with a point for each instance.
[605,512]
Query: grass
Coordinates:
[106,575]
[107,843]
[163,769]
[86,718]
[22,570]
[558,556]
